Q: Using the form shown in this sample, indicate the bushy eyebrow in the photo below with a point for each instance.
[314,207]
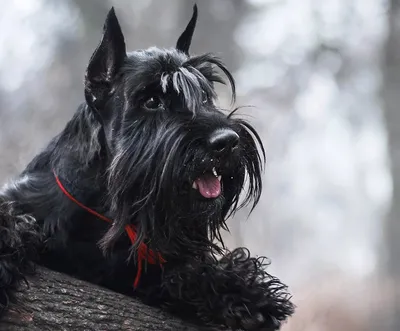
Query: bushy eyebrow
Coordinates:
[195,77]
[189,83]
[190,77]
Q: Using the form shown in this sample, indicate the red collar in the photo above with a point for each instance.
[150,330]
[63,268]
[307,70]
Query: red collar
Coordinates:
[144,253]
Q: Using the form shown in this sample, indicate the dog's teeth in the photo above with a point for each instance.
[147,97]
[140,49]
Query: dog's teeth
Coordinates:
[219,178]
[214,171]
[194,185]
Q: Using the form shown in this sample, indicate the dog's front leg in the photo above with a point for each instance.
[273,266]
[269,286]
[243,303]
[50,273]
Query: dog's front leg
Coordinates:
[19,238]
[234,291]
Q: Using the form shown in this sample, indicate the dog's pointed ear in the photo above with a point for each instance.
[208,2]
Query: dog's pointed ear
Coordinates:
[185,39]
[105,62]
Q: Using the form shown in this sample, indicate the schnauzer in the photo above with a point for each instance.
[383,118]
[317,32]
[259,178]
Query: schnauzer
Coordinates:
[133,193]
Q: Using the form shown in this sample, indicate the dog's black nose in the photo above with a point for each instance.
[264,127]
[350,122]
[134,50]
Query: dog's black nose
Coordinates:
[223,140]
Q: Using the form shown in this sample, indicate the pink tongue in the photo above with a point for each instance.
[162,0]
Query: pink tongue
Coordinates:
[209,186]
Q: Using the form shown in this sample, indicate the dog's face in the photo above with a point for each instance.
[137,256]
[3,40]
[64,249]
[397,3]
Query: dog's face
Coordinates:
[177,163]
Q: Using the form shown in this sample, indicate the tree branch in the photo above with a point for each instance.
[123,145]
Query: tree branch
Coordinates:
[58,302]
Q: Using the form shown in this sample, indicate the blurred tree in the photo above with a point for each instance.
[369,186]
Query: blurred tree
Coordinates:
[391,96]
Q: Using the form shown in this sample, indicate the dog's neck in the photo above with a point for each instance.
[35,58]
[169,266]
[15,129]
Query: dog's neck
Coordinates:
[76,156]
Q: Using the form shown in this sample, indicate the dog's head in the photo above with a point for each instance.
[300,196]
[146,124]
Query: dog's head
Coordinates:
[177,163]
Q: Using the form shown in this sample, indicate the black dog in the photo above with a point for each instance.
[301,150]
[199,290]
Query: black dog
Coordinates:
[144,176]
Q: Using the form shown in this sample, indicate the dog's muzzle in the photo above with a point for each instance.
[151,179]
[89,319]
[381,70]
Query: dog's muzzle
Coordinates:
[220,143]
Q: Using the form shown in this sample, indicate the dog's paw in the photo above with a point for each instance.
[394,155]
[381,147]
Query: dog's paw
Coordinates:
[18,237]
[254,299]
[235,292]
[257,310]
[241,317]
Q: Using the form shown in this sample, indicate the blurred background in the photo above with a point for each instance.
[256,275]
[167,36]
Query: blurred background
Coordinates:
[323,82]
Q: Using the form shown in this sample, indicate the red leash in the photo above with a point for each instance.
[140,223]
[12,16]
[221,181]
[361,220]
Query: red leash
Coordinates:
[143,251]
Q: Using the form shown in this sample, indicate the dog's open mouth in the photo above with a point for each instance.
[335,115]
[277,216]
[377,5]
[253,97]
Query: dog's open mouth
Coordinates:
[208,184]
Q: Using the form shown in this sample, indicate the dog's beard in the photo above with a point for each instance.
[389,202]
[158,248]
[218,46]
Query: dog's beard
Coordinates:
[152,185]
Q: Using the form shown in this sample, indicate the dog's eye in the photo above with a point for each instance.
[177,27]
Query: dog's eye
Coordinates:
[153,103]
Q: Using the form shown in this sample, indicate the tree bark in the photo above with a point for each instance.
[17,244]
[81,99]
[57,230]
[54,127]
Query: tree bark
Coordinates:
[55,302]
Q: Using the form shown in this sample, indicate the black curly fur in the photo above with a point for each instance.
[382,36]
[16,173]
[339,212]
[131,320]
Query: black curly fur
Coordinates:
[235,291]
[148,129]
